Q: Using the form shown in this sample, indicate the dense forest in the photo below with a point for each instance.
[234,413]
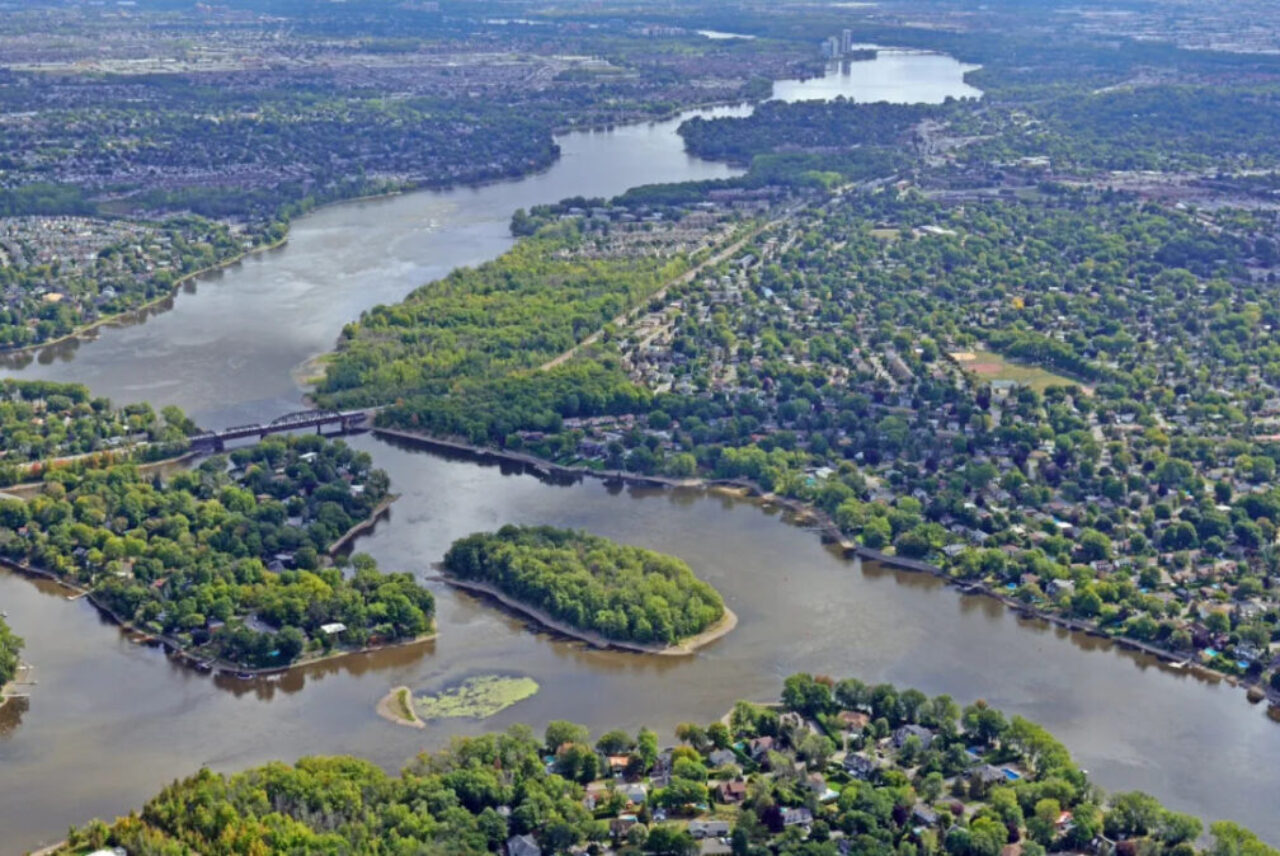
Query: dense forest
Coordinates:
[10,647]
[621,592]
[226,559]
[776,126]
[919,776]
[516,312]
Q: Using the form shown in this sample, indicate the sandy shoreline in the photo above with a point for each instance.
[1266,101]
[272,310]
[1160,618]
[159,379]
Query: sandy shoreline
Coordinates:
[394,705]
[685,648]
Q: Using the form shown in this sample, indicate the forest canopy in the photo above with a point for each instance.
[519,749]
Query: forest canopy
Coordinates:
[10,646]
[621,592]
[475,796]
[225,560]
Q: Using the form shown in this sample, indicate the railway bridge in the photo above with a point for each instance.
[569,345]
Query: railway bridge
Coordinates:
[347,422]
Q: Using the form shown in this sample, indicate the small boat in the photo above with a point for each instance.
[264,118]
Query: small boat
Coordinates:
[244,676]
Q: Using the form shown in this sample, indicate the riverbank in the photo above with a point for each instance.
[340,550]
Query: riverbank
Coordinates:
[363,526]
[81,331]
[808,516]
[178,652]
[684,648]
[397,707]
[9,691]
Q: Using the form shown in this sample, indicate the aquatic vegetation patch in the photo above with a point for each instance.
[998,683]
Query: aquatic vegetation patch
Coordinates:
[479,697]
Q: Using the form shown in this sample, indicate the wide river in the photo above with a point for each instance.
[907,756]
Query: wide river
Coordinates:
[110,722]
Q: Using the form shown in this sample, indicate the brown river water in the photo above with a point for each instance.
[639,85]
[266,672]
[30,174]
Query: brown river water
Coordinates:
[109,722]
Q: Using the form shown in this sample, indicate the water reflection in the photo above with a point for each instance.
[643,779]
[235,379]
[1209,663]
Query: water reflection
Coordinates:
[265,687]
[11,711]
[110,722]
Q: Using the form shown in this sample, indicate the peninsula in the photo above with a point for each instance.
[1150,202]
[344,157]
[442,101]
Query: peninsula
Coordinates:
[227,562]
[604,593]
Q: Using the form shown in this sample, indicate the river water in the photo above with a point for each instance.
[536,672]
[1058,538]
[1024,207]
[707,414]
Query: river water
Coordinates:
[110,722]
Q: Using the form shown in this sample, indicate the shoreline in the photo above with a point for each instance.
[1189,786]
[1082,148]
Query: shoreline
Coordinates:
[808,516]
[177,652]
[388,708]
[21,676]
[363,526]
[684,648]
[80,332]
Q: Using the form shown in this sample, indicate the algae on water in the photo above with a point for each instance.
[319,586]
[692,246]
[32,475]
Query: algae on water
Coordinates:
[478,697]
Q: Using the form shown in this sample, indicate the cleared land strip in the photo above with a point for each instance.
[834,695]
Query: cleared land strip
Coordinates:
[661,294]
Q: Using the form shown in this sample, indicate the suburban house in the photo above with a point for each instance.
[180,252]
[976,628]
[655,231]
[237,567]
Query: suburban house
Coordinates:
[731,793]
[796,817]
[523,845]
[906,732]
[759,748]
[860,766]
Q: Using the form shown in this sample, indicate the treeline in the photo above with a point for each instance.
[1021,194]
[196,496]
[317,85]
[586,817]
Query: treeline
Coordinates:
[227,561]
[10,648]
[492,411]
[621,592]
[449,801]
[777,126]
[44,199]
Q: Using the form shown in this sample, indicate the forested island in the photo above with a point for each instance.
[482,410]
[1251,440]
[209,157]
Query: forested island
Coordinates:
[10,648]
[838,768]
[227,561]
[620,593]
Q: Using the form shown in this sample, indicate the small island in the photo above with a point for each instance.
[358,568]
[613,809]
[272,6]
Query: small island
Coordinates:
[593,589]
[10,647]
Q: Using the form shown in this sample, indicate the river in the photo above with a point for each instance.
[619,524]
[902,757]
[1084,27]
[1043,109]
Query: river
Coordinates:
[110,722]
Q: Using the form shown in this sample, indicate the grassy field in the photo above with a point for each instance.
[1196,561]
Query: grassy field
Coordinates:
[988,365]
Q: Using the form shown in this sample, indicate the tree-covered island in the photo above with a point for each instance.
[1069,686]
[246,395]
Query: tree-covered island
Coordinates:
[226,561]
[10,647]
[592,587]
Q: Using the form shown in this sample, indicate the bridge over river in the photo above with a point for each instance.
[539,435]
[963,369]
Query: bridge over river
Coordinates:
[347,421]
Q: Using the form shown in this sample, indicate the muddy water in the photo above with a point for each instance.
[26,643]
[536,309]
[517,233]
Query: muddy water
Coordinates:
[109,722]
